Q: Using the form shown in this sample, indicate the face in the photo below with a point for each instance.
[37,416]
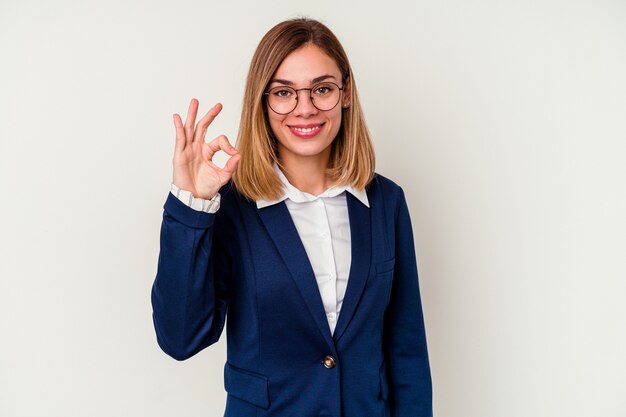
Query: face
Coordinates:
[305,134]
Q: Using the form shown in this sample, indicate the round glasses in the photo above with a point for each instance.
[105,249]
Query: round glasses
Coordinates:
[283,99]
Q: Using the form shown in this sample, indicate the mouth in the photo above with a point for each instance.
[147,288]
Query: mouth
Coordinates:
[306,131]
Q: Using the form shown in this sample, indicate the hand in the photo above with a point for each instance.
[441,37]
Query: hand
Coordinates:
[194,169]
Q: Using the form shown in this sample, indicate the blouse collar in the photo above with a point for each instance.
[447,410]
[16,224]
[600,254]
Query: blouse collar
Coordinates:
[292,193]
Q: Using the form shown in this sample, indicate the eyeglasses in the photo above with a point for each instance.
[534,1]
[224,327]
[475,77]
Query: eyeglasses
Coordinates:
[283,99]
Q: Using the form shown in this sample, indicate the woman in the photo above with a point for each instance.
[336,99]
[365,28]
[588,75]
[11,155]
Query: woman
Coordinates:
[307,249]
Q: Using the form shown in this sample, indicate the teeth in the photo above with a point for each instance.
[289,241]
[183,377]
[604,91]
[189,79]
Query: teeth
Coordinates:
[306,129]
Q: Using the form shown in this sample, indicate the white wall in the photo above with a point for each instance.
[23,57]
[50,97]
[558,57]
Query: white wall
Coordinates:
[505,122]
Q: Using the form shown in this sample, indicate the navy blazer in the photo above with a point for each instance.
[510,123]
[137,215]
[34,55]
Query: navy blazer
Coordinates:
[281,357]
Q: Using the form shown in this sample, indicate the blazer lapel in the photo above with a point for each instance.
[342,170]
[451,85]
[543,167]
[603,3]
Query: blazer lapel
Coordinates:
[283,232]
[361,237]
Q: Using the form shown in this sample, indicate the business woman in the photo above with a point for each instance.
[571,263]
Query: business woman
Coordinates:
[308,251]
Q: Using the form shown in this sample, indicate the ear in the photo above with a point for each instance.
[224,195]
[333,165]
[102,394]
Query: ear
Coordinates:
[346,97]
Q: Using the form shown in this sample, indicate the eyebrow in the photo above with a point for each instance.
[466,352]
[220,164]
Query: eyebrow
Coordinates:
[313,81]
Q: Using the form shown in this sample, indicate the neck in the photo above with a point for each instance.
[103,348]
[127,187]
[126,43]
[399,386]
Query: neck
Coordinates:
[308,176]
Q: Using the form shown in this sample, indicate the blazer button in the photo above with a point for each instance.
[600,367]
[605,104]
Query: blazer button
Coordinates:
[329,362]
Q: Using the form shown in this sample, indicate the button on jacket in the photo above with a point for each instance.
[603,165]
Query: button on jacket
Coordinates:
[282,359]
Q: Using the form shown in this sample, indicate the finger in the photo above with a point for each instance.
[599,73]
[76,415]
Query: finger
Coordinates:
[190,122]
[221,143]
[204,123]
[231,165]
[180,134]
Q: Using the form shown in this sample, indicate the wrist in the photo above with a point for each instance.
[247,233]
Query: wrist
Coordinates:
[207,205]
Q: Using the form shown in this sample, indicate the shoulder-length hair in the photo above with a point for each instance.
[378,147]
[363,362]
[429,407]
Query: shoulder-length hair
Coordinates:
[352,158]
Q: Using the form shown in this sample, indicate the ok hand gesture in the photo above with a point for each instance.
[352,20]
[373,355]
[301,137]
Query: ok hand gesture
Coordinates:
[194,169]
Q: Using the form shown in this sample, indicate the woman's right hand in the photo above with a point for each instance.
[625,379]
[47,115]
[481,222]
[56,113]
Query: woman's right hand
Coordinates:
[194,169]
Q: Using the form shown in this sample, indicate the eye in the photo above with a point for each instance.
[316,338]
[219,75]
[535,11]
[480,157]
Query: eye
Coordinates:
[323,89]
[281,92]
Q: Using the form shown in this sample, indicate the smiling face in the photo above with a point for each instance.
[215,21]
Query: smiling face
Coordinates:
[305,134]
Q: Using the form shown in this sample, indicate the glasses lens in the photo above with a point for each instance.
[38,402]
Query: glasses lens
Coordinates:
[324,97]
[282,99]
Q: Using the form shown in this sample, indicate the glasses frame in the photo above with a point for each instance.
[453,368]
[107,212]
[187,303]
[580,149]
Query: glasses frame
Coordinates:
[310,90]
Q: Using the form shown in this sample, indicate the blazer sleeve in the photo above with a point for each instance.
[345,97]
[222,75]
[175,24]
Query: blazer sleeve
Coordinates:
[406,355]
[190,291]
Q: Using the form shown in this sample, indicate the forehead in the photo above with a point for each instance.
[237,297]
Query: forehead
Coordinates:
[305,64]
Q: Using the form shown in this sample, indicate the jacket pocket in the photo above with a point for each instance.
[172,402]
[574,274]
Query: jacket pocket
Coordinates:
[247,386]
[384,279]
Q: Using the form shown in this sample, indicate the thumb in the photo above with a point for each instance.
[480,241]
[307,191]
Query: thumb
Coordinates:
[231,165]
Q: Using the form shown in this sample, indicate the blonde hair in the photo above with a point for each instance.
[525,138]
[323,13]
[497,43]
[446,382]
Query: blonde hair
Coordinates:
[352,158]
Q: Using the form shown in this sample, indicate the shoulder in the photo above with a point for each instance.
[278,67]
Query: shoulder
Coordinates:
[383,189]
[230,195]
[233,204]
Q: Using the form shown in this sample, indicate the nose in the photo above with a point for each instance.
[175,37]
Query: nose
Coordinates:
[304,104]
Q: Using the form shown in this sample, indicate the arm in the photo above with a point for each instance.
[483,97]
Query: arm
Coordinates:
[406,356]
[189,295]
[190,292]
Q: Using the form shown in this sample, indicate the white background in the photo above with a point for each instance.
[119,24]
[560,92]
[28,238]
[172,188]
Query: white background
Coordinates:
[504,121]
